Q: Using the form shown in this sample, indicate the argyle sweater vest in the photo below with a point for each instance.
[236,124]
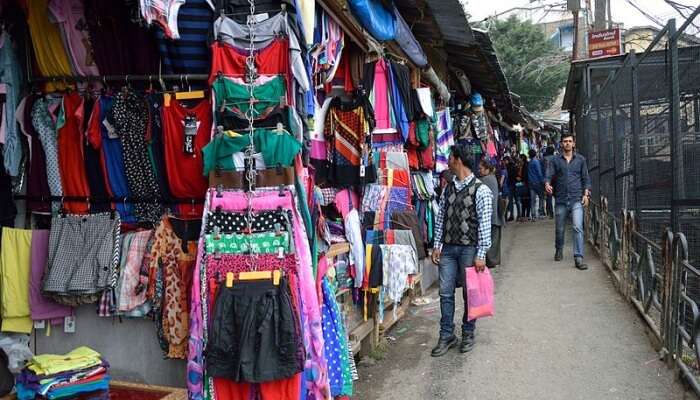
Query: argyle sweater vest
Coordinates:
[461,223]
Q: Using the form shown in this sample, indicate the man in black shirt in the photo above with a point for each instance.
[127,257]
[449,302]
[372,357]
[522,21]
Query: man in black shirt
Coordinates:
[567,178]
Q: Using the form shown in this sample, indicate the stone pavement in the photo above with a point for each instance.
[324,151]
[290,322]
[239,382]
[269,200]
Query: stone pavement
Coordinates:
[558,333]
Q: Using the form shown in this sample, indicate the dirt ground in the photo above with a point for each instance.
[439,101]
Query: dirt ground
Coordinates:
[558,333]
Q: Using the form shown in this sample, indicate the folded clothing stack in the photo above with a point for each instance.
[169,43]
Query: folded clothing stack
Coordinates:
[66,376]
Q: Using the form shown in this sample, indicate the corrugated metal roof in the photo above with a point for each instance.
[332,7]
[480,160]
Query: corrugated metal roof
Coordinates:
[481,64]
[441,26]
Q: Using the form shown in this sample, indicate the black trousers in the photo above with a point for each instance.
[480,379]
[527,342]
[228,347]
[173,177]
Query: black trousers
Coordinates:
[254,336]
[493,256]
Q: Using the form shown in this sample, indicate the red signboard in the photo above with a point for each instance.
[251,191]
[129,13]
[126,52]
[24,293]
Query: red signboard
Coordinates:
[604,43]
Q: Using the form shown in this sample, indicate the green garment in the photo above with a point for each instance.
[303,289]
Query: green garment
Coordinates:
[278,149]
[234,97]
[49,364]
[237,243]
[423,133]
[308,225]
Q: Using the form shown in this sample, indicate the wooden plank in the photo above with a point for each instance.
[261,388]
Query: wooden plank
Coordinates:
[337,249]
[359,334]
[390,319]
[130,390]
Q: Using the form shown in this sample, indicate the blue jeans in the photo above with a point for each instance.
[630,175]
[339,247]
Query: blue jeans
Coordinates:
[453,260]
[537,192]
[510,208]
[561,212]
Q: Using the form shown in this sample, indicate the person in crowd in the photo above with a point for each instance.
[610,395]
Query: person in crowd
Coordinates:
[522,190]
[549,205]
[568,180]
[502,176]
[535,178]
[511,170]
[488,177]
[462,239]
[446,177]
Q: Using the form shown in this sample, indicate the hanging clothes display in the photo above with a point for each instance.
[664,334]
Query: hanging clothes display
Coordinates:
[199,167]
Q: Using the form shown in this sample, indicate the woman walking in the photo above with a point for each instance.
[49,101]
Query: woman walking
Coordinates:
[522,190]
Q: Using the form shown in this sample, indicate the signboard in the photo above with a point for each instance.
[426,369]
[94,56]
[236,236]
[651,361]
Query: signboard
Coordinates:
[573,5]
[604,43]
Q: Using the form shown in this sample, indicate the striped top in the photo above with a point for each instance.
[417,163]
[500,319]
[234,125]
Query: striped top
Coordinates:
[190,53]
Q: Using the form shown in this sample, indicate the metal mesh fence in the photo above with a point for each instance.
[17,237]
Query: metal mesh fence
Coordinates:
[639,127]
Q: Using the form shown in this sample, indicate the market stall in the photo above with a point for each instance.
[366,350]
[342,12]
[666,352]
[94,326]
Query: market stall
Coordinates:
[257,176]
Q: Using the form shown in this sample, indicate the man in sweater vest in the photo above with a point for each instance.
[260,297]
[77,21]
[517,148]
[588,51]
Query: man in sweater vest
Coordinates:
[462,238]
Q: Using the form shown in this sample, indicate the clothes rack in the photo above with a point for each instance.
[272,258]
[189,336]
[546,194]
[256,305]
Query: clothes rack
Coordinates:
[103,200]
[121,78]
[283,7]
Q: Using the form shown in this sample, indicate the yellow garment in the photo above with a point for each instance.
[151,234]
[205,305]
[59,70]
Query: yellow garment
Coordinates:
[308,18]
[49,364]
[15,267]
[49,49]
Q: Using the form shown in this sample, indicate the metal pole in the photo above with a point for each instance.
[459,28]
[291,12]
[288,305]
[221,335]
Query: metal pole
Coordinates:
[696,119]
[613,115]
[600,136]
[676,179]
[675,120]
[574,56]
[635,130]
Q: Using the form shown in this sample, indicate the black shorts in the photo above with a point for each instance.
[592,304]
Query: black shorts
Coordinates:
[254,334]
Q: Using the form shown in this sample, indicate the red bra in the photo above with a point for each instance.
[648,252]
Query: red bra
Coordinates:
[231,61]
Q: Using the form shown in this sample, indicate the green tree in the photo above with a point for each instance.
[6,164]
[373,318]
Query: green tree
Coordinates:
[535,68]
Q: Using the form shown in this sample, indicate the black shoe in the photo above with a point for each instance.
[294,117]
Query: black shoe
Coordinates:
[578,261]
[467,342]
[558,255]
[443,346]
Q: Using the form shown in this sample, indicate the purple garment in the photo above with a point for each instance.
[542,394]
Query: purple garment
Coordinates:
[37,181]
[31,380]
[120,44]
[41,307]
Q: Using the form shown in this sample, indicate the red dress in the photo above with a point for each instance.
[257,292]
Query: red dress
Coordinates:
[71,161]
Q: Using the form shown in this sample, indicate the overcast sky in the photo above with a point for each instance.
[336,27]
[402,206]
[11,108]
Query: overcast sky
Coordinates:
[622,10]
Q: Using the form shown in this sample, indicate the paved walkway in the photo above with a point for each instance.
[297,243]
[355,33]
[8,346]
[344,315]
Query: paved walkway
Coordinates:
[559,333]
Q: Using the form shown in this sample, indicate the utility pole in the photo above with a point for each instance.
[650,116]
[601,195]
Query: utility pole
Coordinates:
[600,21]
[574,6]
[574,56]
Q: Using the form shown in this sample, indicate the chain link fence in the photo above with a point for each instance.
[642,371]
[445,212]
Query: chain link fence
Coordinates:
[640,131]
